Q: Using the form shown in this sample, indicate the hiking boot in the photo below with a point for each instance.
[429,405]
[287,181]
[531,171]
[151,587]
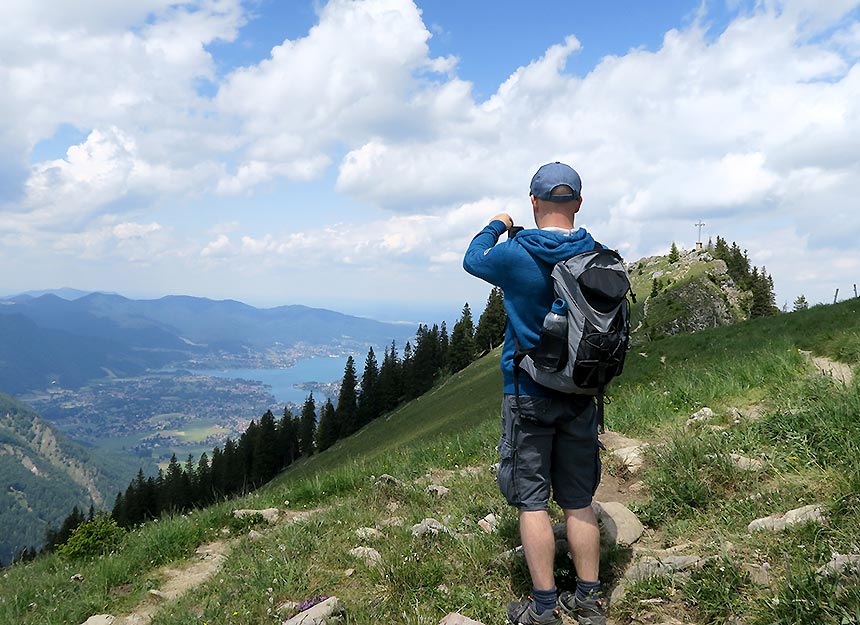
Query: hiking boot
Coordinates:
[524,613]
[590,612]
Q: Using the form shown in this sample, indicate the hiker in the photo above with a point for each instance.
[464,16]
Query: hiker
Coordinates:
[549,439]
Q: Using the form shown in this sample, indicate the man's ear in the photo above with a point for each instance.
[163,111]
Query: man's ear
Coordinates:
[534,203]
[578,205]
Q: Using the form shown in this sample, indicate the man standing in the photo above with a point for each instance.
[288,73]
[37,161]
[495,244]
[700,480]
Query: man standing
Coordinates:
[549,439]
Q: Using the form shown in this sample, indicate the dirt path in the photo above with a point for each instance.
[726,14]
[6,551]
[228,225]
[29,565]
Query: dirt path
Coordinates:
[839,371]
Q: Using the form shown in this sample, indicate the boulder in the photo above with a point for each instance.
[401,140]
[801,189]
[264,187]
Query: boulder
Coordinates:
[428,527]
[746,464]
[620,525]
[777,523]
[270,514]
[325,613]
[370,556]
[631,457]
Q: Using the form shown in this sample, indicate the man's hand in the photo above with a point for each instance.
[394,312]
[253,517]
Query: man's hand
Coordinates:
[504,217]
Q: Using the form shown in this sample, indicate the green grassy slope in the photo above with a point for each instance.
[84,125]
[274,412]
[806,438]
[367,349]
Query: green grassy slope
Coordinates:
[807,436]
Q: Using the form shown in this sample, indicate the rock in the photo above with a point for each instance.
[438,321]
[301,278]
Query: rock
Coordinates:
[428,527]
[225,531]
[649,566]
[455,618]
[470,471]
[348,572]
[700,416]
[622,527]
[157,594]
[324,613]
[370,556]
[395,521]
[270,514]
[99,619]
[489,523]
[759,573]
[77,577]
[776,523]
[841,565]
[631,457]
[287,606]
[368,533]
[387,481]
[254,535]
[438,490]
[746,464]
[443,589]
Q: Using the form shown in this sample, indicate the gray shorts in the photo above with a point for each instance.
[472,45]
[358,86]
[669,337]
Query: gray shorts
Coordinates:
[548,442]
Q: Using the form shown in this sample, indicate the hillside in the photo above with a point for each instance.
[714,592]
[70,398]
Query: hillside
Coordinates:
[692,294]
[44,475]
[770,405]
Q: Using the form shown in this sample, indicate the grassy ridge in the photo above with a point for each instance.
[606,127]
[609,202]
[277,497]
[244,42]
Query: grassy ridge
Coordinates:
[808,438]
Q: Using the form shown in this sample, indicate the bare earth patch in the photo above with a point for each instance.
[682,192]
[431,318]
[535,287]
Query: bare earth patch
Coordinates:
[837,370]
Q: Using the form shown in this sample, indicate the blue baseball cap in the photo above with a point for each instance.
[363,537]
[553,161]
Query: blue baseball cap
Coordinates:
[552,175]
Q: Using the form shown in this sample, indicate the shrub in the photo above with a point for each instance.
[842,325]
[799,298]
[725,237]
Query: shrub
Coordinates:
[93,538]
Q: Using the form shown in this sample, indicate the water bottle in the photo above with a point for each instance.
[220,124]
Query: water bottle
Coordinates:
[551,352]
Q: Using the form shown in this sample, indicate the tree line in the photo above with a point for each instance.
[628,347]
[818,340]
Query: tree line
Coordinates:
[270,445]
[747,277]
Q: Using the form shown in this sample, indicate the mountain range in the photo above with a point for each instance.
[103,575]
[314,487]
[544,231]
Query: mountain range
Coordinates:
[48,339]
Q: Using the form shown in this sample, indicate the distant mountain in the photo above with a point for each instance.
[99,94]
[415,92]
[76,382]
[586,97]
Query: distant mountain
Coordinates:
[47,338]
[64,293]
[43,475]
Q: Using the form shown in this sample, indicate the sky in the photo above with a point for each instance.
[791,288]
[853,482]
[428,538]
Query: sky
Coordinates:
[342,154]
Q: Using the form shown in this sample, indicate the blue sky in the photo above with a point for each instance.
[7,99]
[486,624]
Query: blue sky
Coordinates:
[343,153]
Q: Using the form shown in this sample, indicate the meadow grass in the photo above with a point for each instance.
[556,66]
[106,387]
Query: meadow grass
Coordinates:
[807,436]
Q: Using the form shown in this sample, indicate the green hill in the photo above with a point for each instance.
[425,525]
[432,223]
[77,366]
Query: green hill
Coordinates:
[44,475]
[770,402]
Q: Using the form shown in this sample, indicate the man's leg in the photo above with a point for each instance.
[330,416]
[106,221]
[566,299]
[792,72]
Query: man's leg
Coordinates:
[539,547]
[583,537]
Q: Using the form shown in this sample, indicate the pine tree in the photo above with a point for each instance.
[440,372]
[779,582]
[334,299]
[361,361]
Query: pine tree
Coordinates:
[368,400]
[800,303]
[674,254]
[265,463]
[327,429]
[461,351]
[308,426]
[491,325]
[346,411]
[390,380]
[443,346]
[203,482]
[288,438]
[407,372]
[655,288]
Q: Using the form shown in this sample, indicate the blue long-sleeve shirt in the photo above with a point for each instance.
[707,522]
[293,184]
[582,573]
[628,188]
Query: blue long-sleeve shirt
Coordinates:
[522,267]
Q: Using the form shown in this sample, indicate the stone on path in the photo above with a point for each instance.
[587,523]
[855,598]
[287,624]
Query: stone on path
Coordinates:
[428,527]
[370,556]
[325,613]
[777,523]
[438,490]
[622,527]
[99,619]
[270,514]
[455,618]
[759,573]
[841,565]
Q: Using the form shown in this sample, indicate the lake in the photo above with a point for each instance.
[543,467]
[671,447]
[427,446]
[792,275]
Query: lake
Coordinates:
[282,381]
